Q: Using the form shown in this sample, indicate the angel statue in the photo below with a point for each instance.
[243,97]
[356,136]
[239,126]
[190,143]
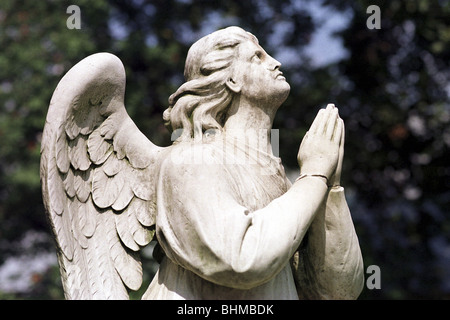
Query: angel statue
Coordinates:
[227,221]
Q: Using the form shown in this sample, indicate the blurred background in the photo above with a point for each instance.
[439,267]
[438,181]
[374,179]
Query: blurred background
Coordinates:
[392,87]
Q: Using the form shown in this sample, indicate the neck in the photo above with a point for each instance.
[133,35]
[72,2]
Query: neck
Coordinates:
[250,125]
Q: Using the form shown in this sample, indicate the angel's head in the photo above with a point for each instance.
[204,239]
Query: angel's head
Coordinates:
[219,67]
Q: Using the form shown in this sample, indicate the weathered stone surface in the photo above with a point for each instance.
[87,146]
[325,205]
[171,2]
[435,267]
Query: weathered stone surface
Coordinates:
[229,222]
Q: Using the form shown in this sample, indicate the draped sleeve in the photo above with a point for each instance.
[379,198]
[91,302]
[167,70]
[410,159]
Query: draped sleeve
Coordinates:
[328,264]
[203,226]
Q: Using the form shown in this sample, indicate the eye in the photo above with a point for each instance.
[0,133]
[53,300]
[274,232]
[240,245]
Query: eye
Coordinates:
[258,55]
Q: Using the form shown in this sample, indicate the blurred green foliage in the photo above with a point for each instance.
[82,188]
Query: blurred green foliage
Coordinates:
[392,91]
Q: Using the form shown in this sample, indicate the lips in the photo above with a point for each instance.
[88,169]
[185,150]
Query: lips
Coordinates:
[279,75]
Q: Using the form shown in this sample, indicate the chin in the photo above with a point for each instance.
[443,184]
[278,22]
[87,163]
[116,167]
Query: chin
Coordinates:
[282,92]
[273,96]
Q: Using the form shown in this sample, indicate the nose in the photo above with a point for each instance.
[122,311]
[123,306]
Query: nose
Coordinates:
[273,64]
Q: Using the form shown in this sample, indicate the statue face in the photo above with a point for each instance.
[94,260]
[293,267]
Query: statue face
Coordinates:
[258,75]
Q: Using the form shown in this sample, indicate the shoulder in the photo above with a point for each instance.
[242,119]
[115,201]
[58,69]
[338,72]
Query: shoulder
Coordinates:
[192,158]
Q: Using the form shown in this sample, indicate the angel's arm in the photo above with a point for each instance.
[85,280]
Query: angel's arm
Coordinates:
[329,263]
[202,227]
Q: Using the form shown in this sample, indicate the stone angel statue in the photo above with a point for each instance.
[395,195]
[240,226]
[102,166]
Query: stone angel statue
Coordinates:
[228,222]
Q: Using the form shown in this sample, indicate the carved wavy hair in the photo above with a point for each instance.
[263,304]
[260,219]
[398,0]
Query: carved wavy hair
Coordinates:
[202,102]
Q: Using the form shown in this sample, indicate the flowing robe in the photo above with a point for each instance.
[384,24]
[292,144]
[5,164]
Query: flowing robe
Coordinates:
[222,224]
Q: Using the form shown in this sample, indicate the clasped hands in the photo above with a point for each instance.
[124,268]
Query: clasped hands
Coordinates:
[322,149]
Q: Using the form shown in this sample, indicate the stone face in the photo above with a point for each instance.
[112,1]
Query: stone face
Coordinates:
[228,222]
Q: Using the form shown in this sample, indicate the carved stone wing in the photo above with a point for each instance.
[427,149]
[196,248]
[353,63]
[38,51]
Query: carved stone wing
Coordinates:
[97,175]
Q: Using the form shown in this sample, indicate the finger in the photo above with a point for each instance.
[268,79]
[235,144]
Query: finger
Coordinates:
[322,123]
[301,146]
[342,134]
[337,135]
[337,177]
[304,139]
[342,142]
[332,124]
[317,121]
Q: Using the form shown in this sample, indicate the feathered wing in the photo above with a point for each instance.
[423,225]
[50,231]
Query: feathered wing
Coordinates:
[97,174]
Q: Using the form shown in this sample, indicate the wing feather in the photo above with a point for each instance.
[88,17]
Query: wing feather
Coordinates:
[125,193]
[97,172]
[140,208]
[62,152]
[98,148]
[105,189]
[127,264]
[79,158]
[82,184]
[125,234]
[62,225]
[69,184]
[77,220]
[144,189]
[57,197]
[112,166]
[89,219]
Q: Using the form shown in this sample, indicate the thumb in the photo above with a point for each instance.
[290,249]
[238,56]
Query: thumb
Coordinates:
[304,138]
